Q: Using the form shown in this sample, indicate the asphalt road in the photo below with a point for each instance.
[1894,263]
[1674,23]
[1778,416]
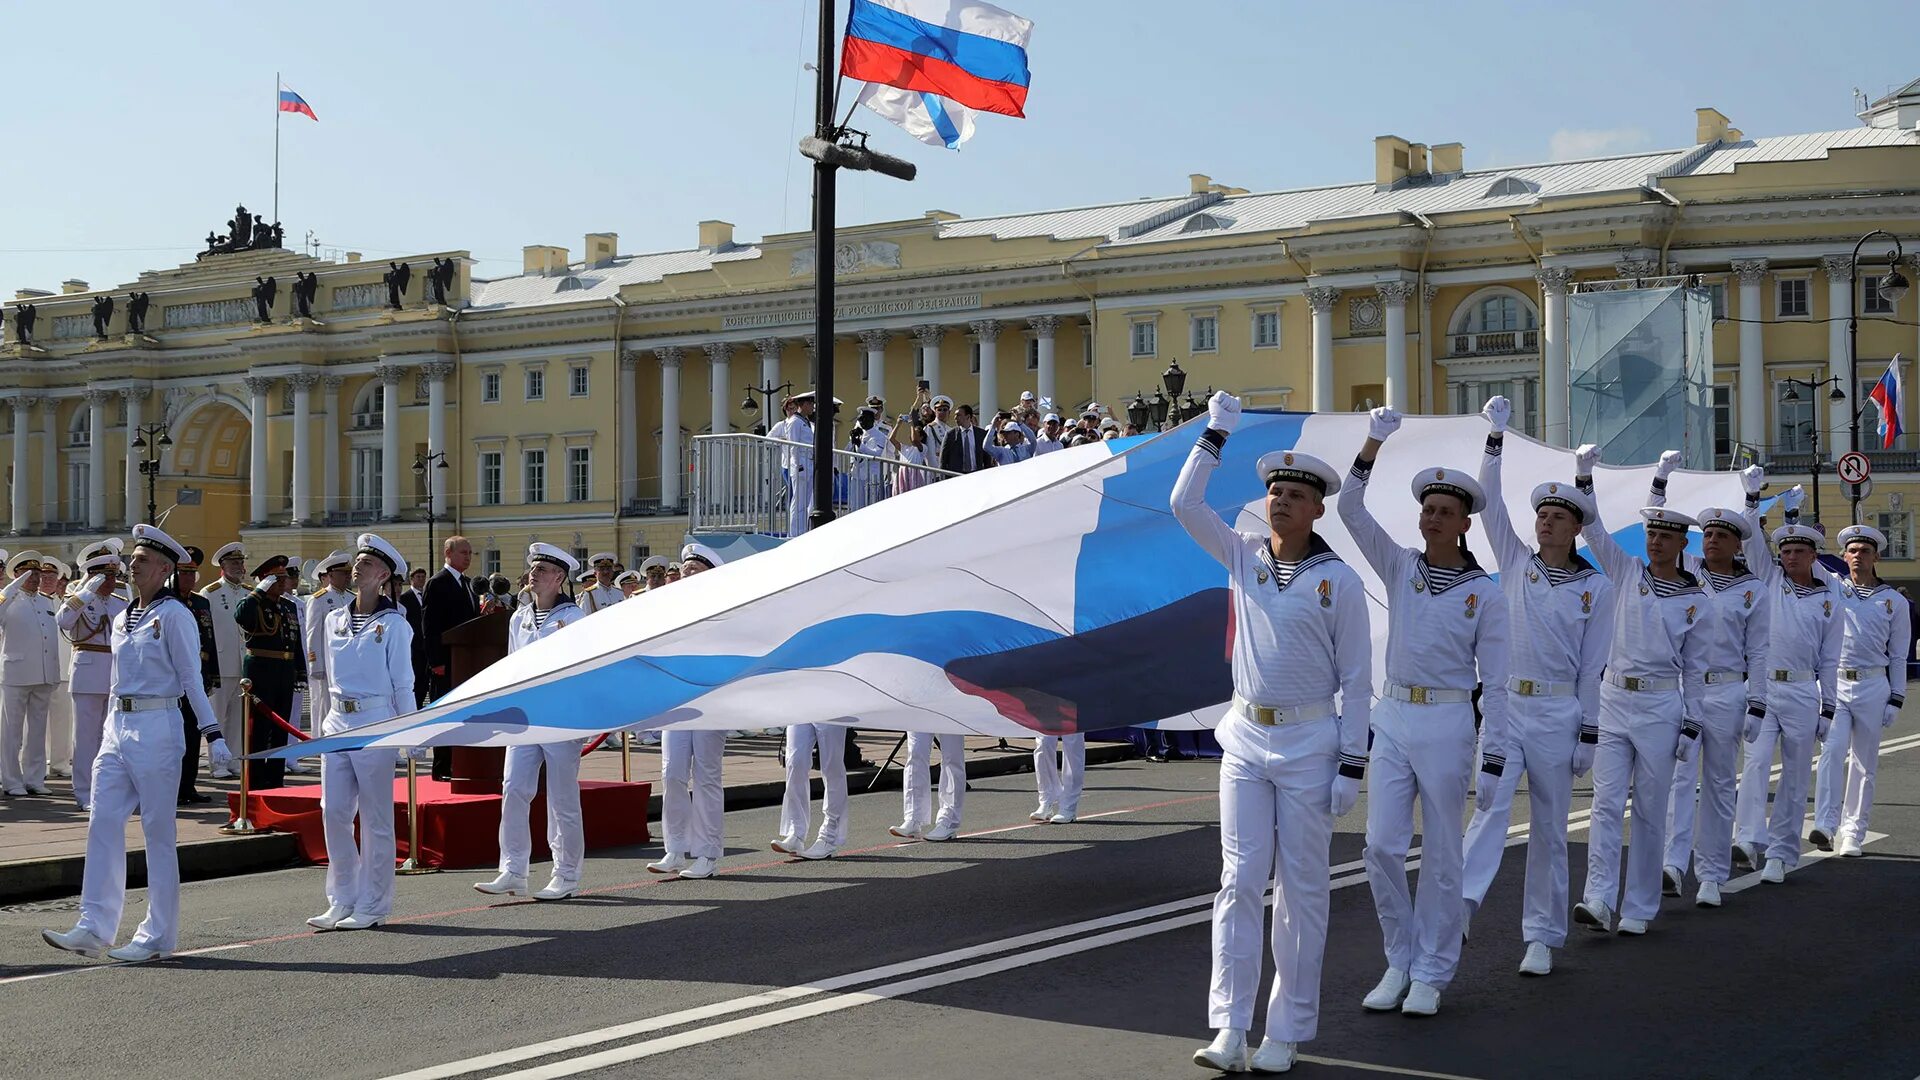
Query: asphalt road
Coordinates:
[1055,951]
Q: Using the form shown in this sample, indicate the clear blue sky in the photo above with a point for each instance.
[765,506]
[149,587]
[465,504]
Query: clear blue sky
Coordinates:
[132,129]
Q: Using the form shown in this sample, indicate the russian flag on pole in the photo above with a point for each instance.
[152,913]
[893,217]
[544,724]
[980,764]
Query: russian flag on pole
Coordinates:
[971,52]
[294,103]
[1887,395]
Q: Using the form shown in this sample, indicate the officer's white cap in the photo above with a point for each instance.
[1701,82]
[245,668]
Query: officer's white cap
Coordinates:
[105,560]
[55,567]
[583,576]
[1565,496]
[601,556]
[547,553]
[1278,466]
[234,548]
[1798,534]
[1865,533]
[628,575]
[1659,517]
[941,398]
[653,561]
[339,558]
[148,536]
[377,546]
[22,559]
[1719,517]
[703,553]
[1456,482]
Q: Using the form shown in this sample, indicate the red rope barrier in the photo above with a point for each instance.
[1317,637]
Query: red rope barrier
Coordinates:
[261,707]
[595,744]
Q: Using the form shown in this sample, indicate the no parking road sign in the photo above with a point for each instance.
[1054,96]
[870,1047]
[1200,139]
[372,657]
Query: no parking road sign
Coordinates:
[1854,467]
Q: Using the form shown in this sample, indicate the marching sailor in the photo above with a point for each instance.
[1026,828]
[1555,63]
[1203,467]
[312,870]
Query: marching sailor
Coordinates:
[369,650]
[336,576]
[1872,687]
[1735,625]
[692,796]
[1561,612]
[156,662]
[1446,630]
[796,808]
[1293,760]
[29,671]
[605,591]
[86,618]
[1060,772]
[224,597]
[548,568]
[1650,709]
[274,662]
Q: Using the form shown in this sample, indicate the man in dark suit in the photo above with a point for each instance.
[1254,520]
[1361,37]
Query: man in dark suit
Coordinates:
[965,448]
[450,601]
[416,611]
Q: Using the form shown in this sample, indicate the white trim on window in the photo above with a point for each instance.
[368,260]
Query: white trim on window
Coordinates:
[1797,287]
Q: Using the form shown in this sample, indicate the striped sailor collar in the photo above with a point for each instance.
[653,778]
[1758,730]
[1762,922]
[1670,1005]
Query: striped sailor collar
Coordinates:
[382,607]
[1435,582]
[1687,583]
[1317,552]
[1864,591]
[1723,581]
[1578,568]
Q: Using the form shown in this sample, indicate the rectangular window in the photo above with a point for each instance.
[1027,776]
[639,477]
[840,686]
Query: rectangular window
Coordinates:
[1144,343]
[491,467]
[1793,423]
[1791,300]
[491,561]
[77,488]
[1898,527]
[973,359]
[1033,354]
[1718,291]
[1266,330]
[533,475]
[1871,302]
[366,478]
[579,473]
[578,380]
[536,384]
[490,386]
[1722,425]
[919,361]
[1206,333]
[863,368]
[1086,348]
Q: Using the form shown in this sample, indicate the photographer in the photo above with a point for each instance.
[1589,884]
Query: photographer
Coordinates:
[1007,442]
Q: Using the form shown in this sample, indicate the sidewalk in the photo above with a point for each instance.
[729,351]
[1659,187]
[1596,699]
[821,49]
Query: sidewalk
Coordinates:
[43,839]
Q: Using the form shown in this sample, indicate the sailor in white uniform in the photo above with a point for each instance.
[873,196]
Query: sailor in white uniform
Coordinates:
[1059,772]
[1735,626]
[223,597]
[921,819]
[1293,757]
[156,653]
[29,673]
[798,461]
[1649,708]
[1803,662]
[369,650]
[796,808]
[1561,612]
[692,794]
[86,619]
[336,592]
[629,583]
[603,592]
[1446,631]
[1873,687]
[548,568]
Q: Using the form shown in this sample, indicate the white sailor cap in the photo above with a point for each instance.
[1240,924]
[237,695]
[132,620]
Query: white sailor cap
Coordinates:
[54,566]
[583,577]
[105,560]
[939,399]
[1455,482]
[628,575]
[1567,497]
[702,552]
[1659,517]
[652,562]
[1865,534]
[377,546]
[547,553]
[235,548]
[340,558]
[1798,534]
[150,537]
[112,545]
[1719,517]
[1050,418]
[23,560]
[599,557]
[1026,395]
[1278,466]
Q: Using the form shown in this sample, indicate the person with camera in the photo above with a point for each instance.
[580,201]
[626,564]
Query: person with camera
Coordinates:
[867,478]
[1007,440]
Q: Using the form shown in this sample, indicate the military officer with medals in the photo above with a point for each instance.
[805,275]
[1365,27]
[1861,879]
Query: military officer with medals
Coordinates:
[603,592]
[274,661]
[86,618]
[29,671]
[1875,635]
[223,597]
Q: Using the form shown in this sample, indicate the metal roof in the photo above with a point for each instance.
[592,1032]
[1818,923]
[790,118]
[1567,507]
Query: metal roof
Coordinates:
[1811,147]
[580,282]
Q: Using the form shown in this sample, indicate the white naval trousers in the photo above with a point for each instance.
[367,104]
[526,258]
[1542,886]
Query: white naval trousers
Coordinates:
[359,876]
[1793,711]
[1639,733]
[796,810]
[89,727]
[60,729]
[1544,731]
[1717,767]
[319,702]
[566,832]
[1849,759]
[692,803]
[138,768]
[1422,754]
[1059,779]
[23,735]
[916,785]
[799,500]
[1276,825]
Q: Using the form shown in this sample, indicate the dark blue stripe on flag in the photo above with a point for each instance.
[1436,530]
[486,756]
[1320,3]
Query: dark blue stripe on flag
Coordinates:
[942,123]
[981,57]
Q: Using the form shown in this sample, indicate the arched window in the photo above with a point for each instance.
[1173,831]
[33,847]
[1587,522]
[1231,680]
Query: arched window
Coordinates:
[1501,311]
[367,411]
[1496,321]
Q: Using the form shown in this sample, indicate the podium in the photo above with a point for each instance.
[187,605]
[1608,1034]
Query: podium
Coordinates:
[471,646]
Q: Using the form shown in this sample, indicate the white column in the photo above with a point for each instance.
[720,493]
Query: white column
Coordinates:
[22,420]
[1752,274]
[928,336]
[302,384]
[1554,427]
[437,373]
[97,458]
[719,381]
[1433,405]
[769,349]
[1043,327]
[390,378]
[875,342]
[669,358]
[1321,300]
[133,483]
[50,462]
[258,482]
[629,427]
[330,444]
[1393,297]
[1839,271]
[987,333]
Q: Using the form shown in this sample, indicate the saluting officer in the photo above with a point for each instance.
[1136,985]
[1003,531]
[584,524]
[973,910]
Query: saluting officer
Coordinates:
[271,625]
[29,671]
[1293,758]
[692,794]
[1873,687]
[336,576]
[223,597]
[86,618]
[604,591]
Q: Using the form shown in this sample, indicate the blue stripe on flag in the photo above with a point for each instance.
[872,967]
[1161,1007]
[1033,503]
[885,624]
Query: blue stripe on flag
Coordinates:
[982,57]
[942,123]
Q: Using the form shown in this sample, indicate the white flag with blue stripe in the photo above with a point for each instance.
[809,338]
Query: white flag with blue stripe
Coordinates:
[932,119]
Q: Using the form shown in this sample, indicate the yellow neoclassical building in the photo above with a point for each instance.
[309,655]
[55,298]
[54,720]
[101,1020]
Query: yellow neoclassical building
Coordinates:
[564,398]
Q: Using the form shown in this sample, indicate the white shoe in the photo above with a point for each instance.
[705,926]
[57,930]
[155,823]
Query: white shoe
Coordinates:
[699,868]
[907,830]
[1390,992]
[943,832]
[1274,1056]
[1848,848]
[788,845]
[1538,961]
[1423,999]
[1708,896]
[1227,1052]
[1067,817]
[1775,873]
[558,889]
[330,918]
[38,789]
[671,863]
[77,941]
[298,768]
[1045,812]
[821,850]
[504,885]
[59,774]
[649,738]
[1633,927]
[1672,880]
[358,921]
[136,954]
[1594,915]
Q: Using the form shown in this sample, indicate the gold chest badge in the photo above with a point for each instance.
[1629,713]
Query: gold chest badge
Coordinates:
[1473,604]
[1690,612]
[1586,603]
[1326,593]
[1889,605]
[379,632]
[1826,609]
[1749,599]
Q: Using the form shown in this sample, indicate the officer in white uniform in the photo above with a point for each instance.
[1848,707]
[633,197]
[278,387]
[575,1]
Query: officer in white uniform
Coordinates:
[55,583]
[336,592]
[548,569]
[1802,691]
[156,652]
[692,794]
[1561,614]
[629,582]
[1446,631]
[1292,759]
[604,592]
[86,620]
[1735,628]
[798,461]
[1873,687]
[920,819]
[369,650]
[29,671]
[1649,707]
[224,597]
[1059,772]
[796,808]
[867,479]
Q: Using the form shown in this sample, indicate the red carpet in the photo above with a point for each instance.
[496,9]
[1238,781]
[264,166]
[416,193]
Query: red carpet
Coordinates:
[457,831]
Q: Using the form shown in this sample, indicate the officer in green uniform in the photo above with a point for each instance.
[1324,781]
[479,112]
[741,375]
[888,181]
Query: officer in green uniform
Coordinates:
[270,626]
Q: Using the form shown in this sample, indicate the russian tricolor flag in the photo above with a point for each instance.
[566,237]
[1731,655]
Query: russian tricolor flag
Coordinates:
[1886,396]
[294,103]
[970,52]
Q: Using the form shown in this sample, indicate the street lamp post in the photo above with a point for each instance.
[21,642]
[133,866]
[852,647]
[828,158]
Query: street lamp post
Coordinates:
[1166,410]
[751,407]
[153,439]
[1813,426]
[438,459]
[1893,287]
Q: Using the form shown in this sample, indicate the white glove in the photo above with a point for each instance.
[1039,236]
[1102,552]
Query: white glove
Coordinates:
[94,583]
[1582,758]
[1483,788]
[222,758]
[1346,792]
[1685,749]
[1584,459]
[1822,726]
[1750,727]
[1753,478]
[1223,412]
[14,586]
[1498,410]
[1794,498]
[1893,713]
[1382,422]
[1669,461]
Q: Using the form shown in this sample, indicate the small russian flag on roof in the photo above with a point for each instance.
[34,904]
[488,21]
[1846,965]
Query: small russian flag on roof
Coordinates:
[294,103]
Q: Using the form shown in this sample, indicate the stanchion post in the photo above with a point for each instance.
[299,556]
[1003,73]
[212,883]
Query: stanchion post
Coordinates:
[241,825]
[626,757]
[413,865]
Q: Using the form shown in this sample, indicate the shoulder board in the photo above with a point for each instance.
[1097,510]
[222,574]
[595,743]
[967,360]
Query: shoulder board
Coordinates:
[211,589]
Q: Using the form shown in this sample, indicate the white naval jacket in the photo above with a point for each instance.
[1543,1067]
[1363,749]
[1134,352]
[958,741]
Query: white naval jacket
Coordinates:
[159,657]
[86,618]
[374,664]
[29,637]
[313,628]
[600,597]
[1807,622]
[1559,633]
[1450,636]
[1736,626]
[797,459]
[1876,633]
[524,629]
[1295,645]
[224,597]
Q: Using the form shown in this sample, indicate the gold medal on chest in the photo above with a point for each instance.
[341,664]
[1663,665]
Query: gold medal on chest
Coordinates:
[1826,609]
[1586,603]
[379,631]
[156,630]
[1889,605]
[1326,593]
[1473,604]
[1690,611]
[1749,599]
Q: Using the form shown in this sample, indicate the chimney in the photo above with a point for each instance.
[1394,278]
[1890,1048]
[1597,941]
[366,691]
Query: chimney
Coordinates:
[30,294]
[72,286]
[1199,182]
[716,235]
[542,259]
[1417,159]
[1709,126]
[353,257]
[942,215]
[1390,161]
[602,247]
[1449,159]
